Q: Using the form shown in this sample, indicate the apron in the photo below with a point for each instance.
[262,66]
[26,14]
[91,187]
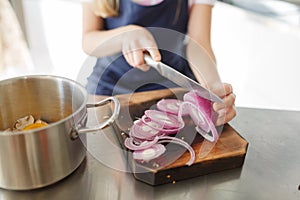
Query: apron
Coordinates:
[112,75]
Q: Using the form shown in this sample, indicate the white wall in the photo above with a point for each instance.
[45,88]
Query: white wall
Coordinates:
[54,34]
[259,56]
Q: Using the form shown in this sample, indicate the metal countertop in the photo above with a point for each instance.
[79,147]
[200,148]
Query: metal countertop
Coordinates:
[271,169]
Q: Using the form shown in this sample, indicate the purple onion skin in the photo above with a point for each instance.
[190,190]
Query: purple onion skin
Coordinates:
[204,104]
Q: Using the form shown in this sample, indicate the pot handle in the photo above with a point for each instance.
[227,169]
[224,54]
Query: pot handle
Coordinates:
[102,125]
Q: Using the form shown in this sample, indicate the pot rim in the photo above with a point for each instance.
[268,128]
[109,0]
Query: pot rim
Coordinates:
[52,124]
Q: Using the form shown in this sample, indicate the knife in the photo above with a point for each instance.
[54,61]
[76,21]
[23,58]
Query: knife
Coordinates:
[180,79]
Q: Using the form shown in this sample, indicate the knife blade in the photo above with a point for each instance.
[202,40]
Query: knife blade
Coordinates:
[180,79]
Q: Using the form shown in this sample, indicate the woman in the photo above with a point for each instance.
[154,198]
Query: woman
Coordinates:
[120,32]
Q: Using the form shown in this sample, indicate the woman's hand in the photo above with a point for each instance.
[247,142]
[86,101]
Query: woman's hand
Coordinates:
[226,110]
[137,41]
[132,40]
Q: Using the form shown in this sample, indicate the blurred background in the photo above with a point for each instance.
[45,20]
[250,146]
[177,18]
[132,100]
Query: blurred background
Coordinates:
[256,42]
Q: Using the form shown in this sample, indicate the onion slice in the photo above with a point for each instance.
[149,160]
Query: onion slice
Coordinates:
[164,119]
[159,127]
[198,116]
[163,139]
[204,124]
[150,153]
[130,144]
[155,125]
[203,104]
[170,106]
[142,131]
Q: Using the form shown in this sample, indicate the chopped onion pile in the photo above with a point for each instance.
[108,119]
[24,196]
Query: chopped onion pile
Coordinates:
[148,133]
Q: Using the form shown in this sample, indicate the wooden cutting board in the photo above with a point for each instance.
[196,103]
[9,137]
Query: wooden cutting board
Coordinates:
[227,153]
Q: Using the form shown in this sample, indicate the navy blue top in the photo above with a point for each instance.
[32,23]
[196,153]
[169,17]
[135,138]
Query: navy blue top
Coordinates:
[113,75]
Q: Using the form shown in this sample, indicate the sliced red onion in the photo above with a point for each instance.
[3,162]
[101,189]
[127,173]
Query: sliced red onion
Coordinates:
[155,125]
[204,124]
[142,131]
[210,136]
[163,139]
[130,144]
[164,119]
[150,153]
[159,127]
[170,106]
[197,115]
[147,133]
[203,104]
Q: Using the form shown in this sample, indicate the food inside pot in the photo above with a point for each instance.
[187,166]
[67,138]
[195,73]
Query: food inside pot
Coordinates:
[26,123]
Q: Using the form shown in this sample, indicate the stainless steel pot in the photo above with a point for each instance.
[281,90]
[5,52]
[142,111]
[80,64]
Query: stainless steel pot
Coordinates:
[39,157]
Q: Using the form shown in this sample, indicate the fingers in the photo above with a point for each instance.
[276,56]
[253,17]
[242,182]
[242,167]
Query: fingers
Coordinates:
[227,101]
[136,58]
[222,90]
[226,110]
[137,42]
[225,115]
[154,53]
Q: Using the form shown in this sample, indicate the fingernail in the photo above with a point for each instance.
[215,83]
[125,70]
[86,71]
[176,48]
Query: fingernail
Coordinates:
[218,106]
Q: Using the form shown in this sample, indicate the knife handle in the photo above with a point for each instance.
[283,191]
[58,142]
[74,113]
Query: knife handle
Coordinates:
[149,61]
